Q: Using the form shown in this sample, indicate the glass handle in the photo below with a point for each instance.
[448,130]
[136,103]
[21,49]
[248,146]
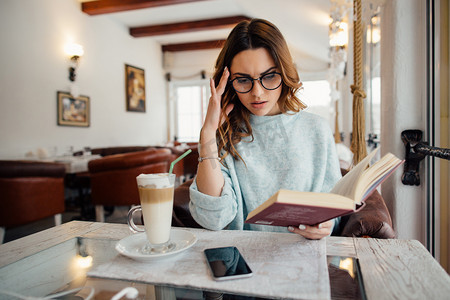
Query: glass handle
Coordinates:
[130,221]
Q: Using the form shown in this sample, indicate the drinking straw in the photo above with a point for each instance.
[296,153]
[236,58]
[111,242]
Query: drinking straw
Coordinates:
[178,159]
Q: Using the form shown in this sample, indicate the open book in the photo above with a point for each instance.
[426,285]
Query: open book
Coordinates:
[292,208]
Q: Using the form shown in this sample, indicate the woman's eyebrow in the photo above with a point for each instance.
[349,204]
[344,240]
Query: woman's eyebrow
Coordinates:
[248,75]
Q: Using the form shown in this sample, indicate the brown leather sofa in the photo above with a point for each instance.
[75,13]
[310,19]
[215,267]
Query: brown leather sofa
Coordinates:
[30,191]
[106,151]
[176,151]
[113,177]
[373,220]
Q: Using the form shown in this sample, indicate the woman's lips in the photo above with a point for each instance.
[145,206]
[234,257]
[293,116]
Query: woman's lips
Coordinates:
[259,104]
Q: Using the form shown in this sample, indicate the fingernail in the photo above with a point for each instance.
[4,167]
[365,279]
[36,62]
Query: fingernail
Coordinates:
[290,228]
[302,227]
[320,226]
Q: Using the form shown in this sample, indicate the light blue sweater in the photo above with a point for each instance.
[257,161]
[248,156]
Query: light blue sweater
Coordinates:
[289,151]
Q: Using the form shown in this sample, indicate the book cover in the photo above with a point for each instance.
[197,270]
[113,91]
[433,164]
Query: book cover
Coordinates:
[281,214]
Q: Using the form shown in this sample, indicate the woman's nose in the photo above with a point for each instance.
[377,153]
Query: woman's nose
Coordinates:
[257,89]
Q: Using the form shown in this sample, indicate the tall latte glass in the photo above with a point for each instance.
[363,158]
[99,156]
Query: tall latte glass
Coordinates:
[156,196]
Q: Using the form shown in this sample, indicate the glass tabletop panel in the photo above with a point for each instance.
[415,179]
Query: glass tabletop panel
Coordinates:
[62,269]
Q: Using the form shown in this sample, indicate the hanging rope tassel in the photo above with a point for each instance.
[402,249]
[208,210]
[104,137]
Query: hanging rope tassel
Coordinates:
[358,146]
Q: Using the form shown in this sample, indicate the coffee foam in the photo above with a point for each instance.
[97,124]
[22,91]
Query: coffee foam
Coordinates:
[156,181]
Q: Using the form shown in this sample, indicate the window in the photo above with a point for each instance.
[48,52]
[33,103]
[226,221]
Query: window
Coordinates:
[191,100]
[316,95]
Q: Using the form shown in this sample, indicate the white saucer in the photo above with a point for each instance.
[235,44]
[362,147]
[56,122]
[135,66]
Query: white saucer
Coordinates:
[131,245]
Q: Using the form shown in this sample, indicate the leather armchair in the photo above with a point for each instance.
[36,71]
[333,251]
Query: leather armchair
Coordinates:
[118,150]
[113,178]
[187,167]
[176,151]
[373,220]
[30,191]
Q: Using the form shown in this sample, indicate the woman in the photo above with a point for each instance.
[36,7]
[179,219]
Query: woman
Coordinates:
[255,138]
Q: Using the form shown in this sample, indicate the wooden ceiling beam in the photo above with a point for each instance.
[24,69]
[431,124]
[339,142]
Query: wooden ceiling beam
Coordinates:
[193,46]
[112,6]
[184,27]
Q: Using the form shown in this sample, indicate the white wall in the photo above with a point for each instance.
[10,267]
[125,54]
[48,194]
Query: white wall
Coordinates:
[403,96]
[33,67]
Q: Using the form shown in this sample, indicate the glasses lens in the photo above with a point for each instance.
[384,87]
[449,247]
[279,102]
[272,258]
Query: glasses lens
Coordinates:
[242,84]
[271,81]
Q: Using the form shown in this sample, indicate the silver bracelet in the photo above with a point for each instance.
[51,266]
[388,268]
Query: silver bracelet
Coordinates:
[200,159]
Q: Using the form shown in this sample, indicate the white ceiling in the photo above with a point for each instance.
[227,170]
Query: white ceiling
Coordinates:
[304,23]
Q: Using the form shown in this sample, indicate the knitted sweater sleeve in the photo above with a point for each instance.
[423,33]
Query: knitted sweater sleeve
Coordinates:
[215,213]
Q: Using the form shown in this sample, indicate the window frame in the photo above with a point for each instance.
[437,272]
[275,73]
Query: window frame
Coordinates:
[173,103]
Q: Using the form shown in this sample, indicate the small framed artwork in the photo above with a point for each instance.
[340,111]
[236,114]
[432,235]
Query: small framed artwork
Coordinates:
[73,111]
[135,88]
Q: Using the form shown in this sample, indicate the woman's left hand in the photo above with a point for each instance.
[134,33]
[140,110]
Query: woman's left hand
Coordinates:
[315,232]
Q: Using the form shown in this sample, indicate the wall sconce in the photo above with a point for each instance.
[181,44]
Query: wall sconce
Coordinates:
[338,34]
[75,52]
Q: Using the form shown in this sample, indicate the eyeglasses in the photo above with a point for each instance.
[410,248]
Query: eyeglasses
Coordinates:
[269,81]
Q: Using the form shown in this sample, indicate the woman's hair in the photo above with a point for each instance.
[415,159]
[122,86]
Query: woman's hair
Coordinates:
[253,34]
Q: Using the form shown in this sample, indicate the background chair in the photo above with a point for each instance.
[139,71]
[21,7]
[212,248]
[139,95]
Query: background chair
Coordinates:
[106,151]
[30,191]
[113,178]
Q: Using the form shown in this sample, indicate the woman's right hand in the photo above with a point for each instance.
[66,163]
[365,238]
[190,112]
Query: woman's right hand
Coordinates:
[210,180]
[214,117]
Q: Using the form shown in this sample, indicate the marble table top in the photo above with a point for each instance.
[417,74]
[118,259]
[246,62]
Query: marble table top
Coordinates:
[284,266]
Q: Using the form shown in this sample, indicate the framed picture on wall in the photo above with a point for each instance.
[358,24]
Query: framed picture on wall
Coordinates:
[73,111]
[135,88]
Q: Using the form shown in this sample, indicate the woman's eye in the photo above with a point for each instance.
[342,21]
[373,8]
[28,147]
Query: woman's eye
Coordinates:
[242,80]
[269,76]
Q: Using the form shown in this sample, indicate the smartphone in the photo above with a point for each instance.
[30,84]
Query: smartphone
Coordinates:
[227,263]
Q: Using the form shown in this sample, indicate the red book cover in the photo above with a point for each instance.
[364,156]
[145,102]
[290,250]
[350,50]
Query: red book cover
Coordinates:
[283,214]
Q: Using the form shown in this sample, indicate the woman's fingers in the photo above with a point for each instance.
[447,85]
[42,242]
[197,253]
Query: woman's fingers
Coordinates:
[314,232]
[218,91]
[223,82]
[214,117]
[212,86]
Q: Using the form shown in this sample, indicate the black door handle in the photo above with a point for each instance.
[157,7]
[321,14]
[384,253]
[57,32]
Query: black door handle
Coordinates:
[416,150]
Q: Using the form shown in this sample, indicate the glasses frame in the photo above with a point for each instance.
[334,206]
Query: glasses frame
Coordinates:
[256,79]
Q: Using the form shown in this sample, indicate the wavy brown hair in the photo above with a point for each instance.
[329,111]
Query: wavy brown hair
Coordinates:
[253,34]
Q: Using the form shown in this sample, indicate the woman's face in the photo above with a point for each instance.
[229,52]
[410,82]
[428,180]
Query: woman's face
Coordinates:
[254,63]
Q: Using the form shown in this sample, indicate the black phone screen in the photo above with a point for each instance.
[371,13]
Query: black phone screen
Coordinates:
[227,263]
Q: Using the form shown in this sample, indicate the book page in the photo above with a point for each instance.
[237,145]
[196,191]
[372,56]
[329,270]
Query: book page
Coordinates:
[376,174]
[346,186]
